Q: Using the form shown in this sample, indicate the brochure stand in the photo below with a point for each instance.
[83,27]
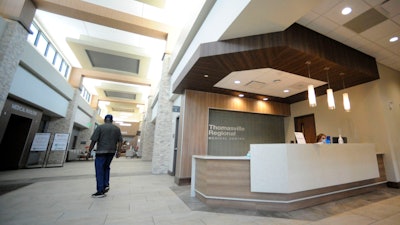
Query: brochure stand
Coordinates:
[300,138]
[57,153]
[38,151]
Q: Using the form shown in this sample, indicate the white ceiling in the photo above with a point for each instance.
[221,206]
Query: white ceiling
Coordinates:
[259,17]
[326,19]
[74,37]
[268,82]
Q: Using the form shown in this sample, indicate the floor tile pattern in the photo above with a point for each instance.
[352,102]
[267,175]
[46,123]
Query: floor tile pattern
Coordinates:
[61,195]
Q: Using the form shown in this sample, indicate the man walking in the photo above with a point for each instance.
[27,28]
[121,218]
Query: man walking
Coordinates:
[109,139]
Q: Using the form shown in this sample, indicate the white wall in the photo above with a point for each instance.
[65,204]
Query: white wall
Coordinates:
[219,19]
[84,113]
[370,120]
[43,70]
[28,87]
[39,83]
[82,118]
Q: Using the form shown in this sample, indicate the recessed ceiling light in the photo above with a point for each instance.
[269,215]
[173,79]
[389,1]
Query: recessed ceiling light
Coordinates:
[241,95]
[265,99]
[205,75]
[346,11]
[393,39]
[237,82]
[286,90]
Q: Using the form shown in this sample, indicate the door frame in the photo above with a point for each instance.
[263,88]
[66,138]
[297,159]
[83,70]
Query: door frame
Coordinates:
[23,110]
[306,125]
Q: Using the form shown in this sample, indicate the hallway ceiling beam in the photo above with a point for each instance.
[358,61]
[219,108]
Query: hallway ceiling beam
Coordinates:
[105,16]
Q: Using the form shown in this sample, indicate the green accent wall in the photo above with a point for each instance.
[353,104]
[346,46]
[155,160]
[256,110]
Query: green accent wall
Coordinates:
[230,133]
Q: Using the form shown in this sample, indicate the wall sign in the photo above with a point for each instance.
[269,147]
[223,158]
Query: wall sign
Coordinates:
[176,108]
[230,133]
[23,109]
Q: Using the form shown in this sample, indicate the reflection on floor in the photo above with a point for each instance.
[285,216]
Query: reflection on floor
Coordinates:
[63,196]
[311,213]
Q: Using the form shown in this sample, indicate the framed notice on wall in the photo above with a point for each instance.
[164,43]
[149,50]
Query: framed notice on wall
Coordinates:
[60,142]
[40,142]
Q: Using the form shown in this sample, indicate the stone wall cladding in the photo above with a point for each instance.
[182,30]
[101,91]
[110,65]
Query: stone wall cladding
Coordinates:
[147,134]
[11,48]
[63,125]
[163,142]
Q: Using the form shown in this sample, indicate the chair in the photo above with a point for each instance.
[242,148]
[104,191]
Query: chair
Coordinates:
[130,153]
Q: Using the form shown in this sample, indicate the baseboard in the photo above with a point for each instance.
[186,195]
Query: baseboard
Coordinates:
[183,181]
[393,184]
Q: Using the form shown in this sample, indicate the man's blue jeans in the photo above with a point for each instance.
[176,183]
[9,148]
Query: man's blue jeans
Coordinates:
[102,165]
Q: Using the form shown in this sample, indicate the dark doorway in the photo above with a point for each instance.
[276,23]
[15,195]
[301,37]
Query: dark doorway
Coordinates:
[74,138]
[306,125]
[13,142]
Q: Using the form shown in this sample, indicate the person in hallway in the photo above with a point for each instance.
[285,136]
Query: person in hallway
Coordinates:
[320,138]
[109,140]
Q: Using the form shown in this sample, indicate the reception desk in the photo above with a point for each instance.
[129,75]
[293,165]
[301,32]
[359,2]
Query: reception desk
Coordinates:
[285,177]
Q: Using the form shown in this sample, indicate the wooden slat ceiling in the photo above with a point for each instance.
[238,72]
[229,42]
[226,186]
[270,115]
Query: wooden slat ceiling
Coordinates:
[286,51]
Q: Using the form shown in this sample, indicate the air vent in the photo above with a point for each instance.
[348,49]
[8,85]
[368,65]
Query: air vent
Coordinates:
[365,21]
[113,62]
[255,85]
[390,7]
[117,94]
[301,86]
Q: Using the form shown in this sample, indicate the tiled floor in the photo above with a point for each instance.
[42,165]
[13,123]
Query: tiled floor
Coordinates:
[61,195]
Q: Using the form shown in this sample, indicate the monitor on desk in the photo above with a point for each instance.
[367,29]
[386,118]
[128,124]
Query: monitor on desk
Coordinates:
[336,140]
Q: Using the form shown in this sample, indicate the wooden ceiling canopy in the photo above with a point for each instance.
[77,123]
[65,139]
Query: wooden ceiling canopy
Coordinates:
[286,51]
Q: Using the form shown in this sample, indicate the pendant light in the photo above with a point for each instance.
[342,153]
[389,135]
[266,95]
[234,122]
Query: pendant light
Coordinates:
[312,101]
[329,92]
[346,100]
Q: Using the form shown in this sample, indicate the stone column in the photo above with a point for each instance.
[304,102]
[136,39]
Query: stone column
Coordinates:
[62,125]
[163,141]
[84,135]
[12,39]
[147,134]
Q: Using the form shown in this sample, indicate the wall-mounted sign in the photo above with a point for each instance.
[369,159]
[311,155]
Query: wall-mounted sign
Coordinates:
[23,109]
[230,133]
[176,108]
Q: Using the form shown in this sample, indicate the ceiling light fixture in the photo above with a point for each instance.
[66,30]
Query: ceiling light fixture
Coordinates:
[394,39]
[205,75]
[265,99]
[346,11]
[286,91]
[312,100]
[237,82]
[329,92]
[241,95]
[346,100]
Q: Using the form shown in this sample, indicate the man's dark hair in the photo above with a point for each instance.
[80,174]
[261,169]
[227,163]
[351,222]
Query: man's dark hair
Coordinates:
[108,118]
